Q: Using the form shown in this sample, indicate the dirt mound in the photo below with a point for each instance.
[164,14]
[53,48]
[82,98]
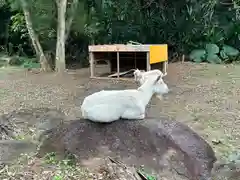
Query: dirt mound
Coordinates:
[159,144]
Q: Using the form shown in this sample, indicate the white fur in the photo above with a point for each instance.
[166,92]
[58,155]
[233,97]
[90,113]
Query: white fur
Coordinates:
[108,106]
[141,76]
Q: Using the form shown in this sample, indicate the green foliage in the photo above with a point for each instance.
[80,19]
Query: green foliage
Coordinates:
[184,25]
[230,51]
[212,49]
[18,25]
[214,54]
[24,62]
[198,55]
[57,177]
[213,58]
[50,158]
[31,64]
[67,168]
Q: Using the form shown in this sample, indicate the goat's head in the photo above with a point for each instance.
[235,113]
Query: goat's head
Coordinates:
[138,76]
[159,86]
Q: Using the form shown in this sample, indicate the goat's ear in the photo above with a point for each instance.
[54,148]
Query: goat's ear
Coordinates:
[157,79]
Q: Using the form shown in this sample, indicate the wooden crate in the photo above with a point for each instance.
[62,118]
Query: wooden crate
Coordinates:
[155,54]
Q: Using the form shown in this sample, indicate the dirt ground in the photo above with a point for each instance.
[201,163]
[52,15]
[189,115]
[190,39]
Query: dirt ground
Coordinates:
[206,97]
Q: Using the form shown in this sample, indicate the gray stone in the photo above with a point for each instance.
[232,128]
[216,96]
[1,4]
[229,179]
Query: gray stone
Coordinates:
[25,124]
[157,143]
[24,121]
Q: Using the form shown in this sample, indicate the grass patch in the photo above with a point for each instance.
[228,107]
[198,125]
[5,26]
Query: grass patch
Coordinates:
[30,63]
[49,167]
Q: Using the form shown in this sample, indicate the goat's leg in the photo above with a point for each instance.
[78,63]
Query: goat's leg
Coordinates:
[130,115]
[137,113]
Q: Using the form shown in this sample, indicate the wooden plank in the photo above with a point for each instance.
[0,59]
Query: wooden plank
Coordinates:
[107,78]
[119,48]
[91,59]
[165,64]
[121,73]
[118,64]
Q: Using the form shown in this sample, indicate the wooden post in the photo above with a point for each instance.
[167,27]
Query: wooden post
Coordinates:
[148,62]
[91,60]
[135,60]
[118,68]
[165,63]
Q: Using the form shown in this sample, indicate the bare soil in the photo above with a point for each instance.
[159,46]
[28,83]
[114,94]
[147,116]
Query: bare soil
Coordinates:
[205,97]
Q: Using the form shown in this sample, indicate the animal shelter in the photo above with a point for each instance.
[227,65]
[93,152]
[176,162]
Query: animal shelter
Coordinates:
[120,60]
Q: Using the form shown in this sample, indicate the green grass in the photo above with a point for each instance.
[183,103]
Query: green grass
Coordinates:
[50,166]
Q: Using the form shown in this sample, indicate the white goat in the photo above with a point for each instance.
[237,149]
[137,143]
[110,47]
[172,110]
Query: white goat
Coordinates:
[108,106]
[141,76]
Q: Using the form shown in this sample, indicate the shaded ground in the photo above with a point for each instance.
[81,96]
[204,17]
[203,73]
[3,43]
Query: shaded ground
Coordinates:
[205,97]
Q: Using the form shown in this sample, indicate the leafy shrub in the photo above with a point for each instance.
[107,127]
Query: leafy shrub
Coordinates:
[29,62]
[25,62]
[215,54]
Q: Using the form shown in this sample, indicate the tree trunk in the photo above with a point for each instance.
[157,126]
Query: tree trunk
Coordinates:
[61,30]
[73,10]
[7,36]
[45,66]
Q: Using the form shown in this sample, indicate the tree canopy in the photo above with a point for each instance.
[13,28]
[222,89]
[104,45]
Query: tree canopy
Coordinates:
[185,25]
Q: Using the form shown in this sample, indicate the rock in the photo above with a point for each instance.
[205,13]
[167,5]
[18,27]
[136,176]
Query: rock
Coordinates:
[156,143]
[118,171]
[14,61]
[27,125]
[12,149]
[29,121]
